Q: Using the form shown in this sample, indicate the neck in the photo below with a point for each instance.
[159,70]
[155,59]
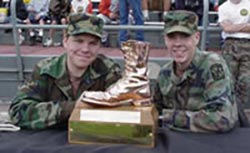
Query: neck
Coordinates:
[75,77]
[179,71]
[180,68]
[75,72]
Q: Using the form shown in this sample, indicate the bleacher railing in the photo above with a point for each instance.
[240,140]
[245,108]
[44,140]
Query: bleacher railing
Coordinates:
[15,26]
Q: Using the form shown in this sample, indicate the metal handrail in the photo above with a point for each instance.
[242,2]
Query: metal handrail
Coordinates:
[204,24]
[16,40]
[147,27]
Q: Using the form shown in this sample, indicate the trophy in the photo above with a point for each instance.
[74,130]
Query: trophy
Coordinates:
[124,112]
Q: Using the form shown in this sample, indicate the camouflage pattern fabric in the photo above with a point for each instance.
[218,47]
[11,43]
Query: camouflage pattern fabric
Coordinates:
[201,100]
[47,100]
[80,23]
[237,56]
[180,21]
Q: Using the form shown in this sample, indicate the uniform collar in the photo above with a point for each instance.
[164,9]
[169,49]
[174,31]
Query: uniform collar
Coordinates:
[56,68]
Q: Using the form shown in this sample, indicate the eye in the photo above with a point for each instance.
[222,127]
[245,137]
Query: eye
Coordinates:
[171,35]
[76,40]
[185,35]
[93,43]
[178,34]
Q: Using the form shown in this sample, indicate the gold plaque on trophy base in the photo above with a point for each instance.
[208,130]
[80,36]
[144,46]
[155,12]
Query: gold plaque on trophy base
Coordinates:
[115,125]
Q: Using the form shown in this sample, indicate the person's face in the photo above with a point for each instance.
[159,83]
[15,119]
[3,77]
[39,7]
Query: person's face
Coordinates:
[182,46]
[81,50]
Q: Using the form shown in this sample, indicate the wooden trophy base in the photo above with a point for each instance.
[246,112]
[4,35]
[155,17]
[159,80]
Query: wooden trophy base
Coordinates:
[113,125]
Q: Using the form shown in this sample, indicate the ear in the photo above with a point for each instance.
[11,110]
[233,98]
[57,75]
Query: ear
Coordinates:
[65,40]
[166,40]
[197,36]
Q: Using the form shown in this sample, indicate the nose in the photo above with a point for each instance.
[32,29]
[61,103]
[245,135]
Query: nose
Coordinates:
[177,41]
[84,47]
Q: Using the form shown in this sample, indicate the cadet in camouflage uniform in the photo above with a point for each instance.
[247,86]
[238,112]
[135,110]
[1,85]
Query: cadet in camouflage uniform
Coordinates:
[49,98]
[194,90]
[234,18]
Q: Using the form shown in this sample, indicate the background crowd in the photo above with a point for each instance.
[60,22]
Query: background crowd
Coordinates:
[121,12]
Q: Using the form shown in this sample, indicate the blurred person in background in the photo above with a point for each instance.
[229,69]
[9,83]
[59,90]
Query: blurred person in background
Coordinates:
[234,18]
[136,7]
[21,16]
[38,14]
[83,6]
[108,12]
[58,12]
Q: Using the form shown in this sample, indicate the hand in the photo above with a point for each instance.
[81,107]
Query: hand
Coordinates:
[176,118]
[164,14]
[31,9]
[37,17]
[145,15]
[113,15]
[181,119]
[167,115]
[63,20]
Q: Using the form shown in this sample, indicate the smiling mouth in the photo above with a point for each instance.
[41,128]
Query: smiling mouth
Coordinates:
[179,50]
[179,54]
[84,57]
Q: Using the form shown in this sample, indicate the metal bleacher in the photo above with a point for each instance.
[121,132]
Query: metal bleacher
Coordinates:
[15,68]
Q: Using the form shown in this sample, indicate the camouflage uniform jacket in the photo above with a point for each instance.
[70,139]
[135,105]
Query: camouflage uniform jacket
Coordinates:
[47,100]
[201,100]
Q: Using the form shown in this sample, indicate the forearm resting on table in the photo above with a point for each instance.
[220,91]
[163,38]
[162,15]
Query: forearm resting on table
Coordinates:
[198,121]
[33,115]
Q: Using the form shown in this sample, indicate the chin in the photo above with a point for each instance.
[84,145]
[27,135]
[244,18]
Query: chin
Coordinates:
[82,66]
[180,60]
[81,62]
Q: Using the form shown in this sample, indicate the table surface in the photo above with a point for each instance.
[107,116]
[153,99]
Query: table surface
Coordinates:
[50,141]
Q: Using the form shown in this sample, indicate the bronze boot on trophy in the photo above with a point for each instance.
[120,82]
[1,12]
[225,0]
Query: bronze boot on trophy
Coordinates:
[133,87]
[91,122]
